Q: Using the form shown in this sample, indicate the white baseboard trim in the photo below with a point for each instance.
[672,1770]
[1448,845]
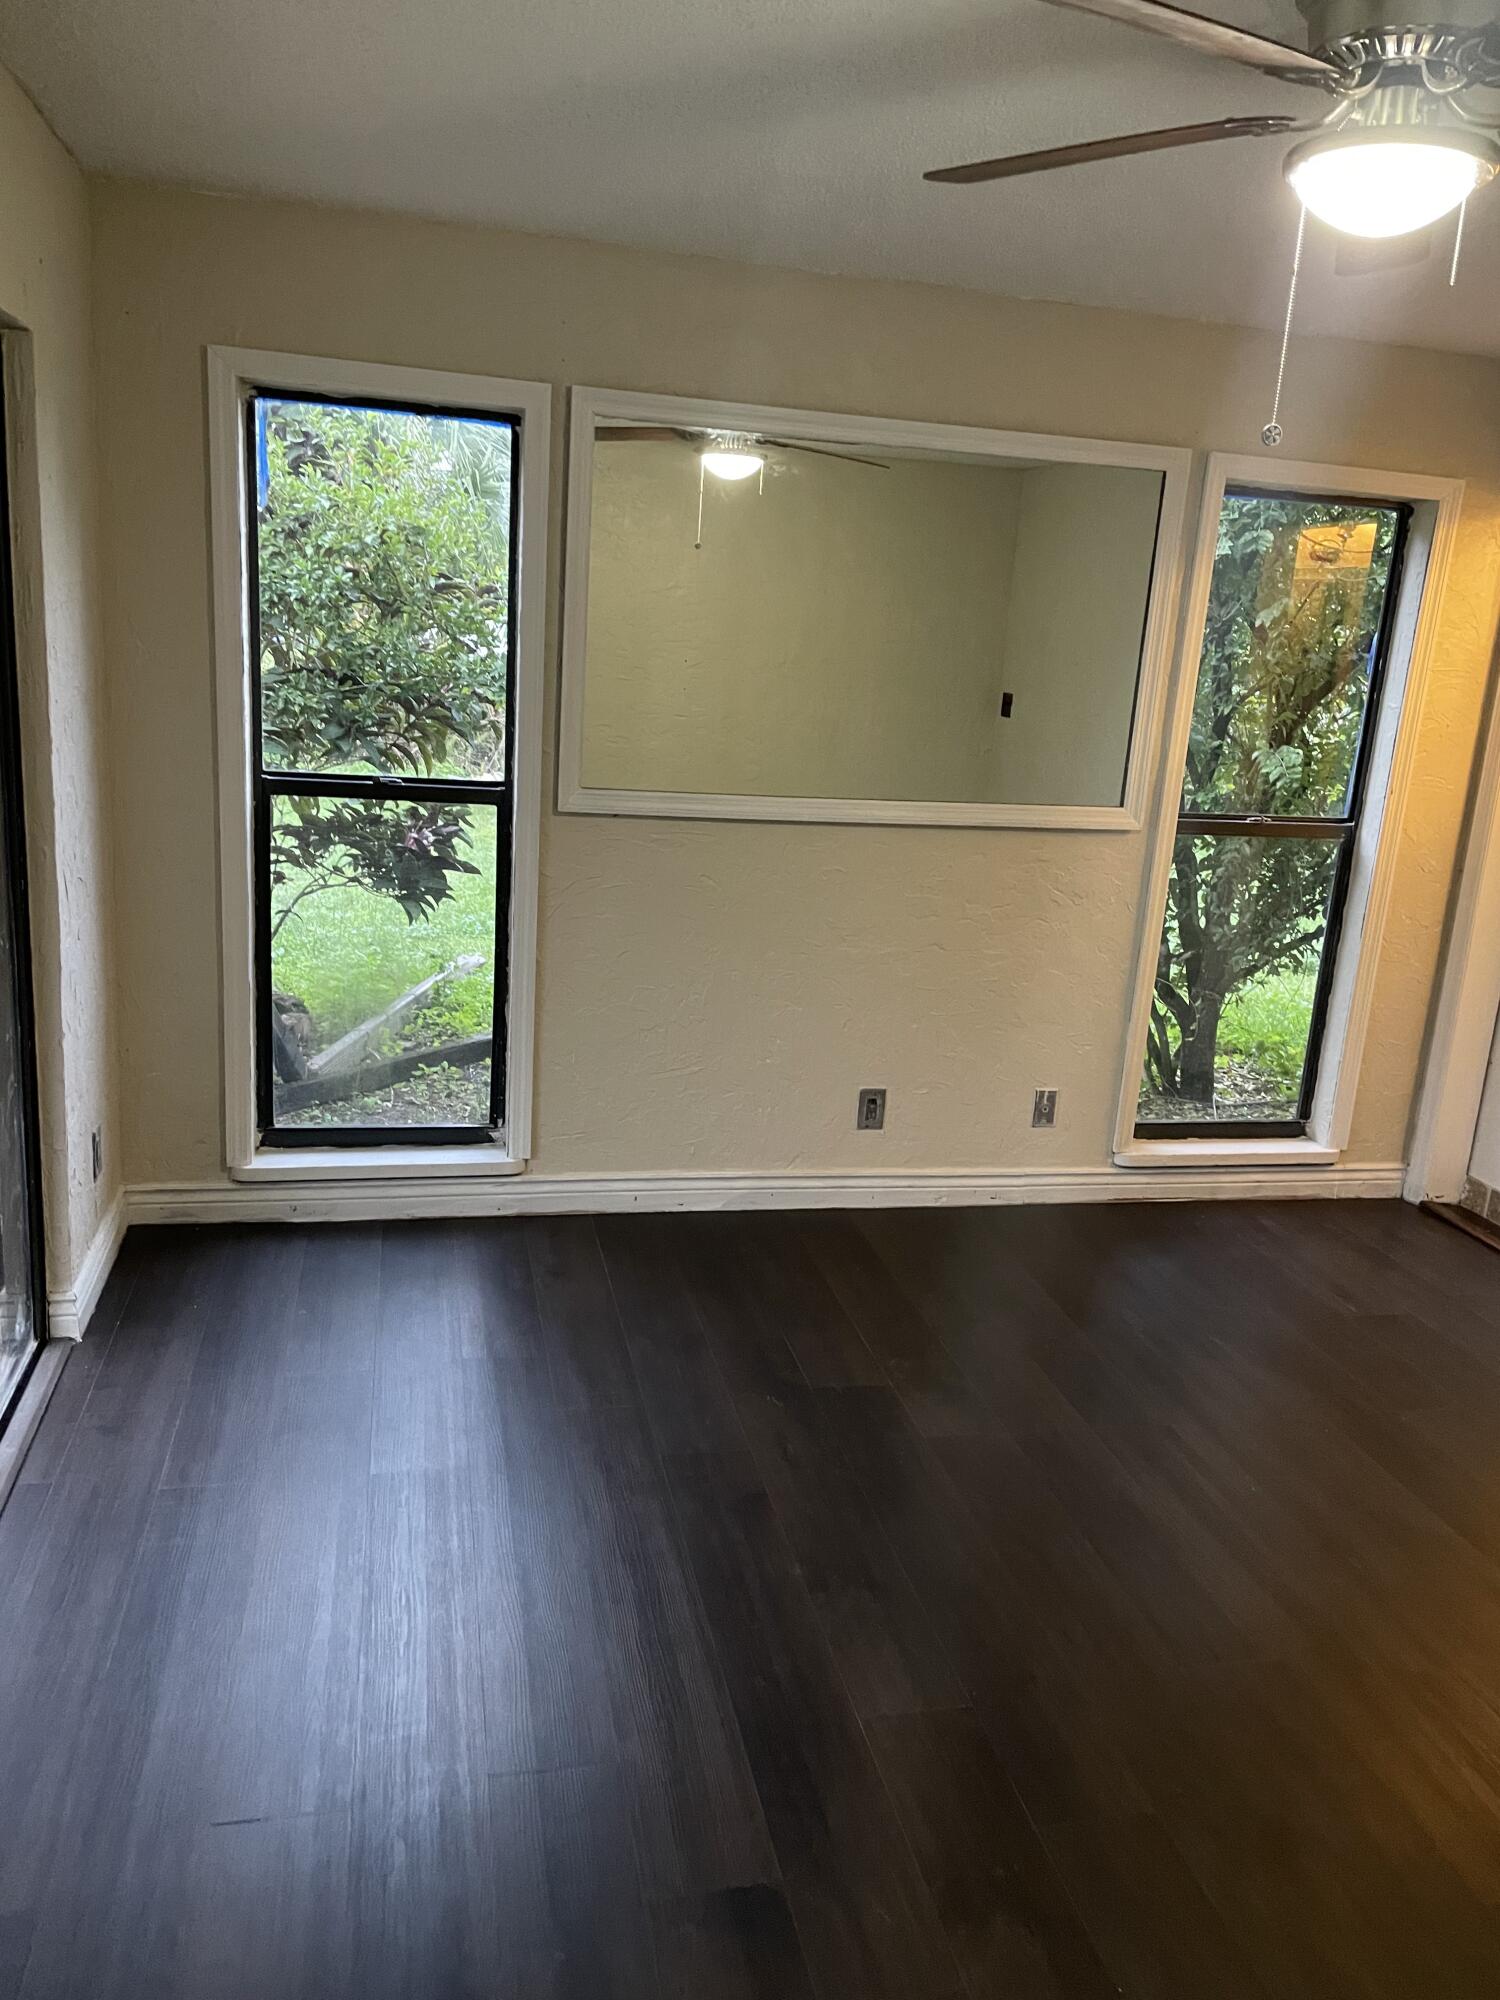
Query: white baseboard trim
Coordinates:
[69,1311]
[226,1201]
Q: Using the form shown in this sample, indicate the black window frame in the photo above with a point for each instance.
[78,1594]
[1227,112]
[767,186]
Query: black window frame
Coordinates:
[1342,827]
[267,785]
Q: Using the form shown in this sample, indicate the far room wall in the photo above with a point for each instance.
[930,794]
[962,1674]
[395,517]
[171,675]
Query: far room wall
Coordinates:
[712,995]
[850,629]
[862,612]
[1083,540]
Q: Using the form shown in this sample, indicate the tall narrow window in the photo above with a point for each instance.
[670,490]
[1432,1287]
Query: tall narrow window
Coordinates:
[381,603]
[1289,679]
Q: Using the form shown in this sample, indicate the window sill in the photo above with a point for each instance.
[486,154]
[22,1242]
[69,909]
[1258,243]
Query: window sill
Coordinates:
[377,1163]
[1225,1153]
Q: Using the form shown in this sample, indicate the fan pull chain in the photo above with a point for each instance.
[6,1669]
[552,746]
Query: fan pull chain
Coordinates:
[702,474]
[1272,434]
[1458,243]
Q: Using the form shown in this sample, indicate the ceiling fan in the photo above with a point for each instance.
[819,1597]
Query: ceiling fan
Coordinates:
[731,455]
[1402,146]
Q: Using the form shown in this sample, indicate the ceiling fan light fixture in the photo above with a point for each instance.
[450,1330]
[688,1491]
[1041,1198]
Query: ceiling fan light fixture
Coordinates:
[1383,182]
[731,458]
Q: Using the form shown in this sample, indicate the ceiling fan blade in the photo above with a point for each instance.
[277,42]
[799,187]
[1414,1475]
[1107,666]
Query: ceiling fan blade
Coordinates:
[1212,38]
[826,451]
[1365,256]
[671,434]
[640,434]
[1113,149]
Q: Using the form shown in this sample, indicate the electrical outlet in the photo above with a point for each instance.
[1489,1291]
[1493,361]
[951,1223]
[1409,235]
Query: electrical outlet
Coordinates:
[1044,1107]
[96,1148]
[870,1116]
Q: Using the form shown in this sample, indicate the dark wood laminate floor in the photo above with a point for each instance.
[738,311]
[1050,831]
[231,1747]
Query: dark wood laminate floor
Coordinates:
[896,1607]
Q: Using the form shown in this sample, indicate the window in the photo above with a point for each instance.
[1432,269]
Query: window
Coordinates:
[381,607]
[1298,630]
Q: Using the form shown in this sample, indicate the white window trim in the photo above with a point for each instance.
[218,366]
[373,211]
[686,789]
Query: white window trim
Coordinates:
[1436,504]
[231,372]
[587,406]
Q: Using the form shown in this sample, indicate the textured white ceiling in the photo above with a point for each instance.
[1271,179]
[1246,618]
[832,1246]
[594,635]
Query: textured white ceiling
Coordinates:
[777,131]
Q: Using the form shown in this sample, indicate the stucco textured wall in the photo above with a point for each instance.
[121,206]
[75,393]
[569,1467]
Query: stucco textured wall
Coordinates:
[711,995]
[44,289]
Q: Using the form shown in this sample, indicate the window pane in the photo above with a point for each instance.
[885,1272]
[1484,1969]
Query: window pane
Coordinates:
[1294,612]
[383,561]
[382,962]
[1236,978]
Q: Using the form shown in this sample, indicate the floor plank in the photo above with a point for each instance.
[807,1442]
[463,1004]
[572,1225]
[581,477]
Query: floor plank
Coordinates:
[1009,1920]
[889,1657]
[863,1912]
[738,1944]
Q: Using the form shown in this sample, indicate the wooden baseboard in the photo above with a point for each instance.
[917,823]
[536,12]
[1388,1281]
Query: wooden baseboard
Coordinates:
[382,1200]
[69,1310]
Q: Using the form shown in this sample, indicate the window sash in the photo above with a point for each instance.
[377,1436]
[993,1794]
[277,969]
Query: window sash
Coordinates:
[290,1137]
[1328,833]
[422,791]
[269,782]
[1359,766]
[1263,826]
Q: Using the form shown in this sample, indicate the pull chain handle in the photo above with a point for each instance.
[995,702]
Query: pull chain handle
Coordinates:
[1271,436]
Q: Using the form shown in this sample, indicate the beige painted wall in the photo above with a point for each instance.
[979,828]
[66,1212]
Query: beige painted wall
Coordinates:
[1078,597]
[44,289]
[712,994]
[836,636]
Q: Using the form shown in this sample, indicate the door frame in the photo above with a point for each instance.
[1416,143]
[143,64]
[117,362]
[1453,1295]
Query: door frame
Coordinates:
[13,822]
[1463,1026]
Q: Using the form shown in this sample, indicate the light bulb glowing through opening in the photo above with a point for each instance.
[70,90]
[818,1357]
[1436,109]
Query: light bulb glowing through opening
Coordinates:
[731,464]
[1385,188]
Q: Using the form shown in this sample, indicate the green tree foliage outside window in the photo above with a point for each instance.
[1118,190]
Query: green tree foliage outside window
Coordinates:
[1294,612]
[383,564]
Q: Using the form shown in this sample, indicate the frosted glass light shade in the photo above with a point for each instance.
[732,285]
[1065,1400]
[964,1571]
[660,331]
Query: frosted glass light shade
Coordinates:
[1388,187]
[732,464]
